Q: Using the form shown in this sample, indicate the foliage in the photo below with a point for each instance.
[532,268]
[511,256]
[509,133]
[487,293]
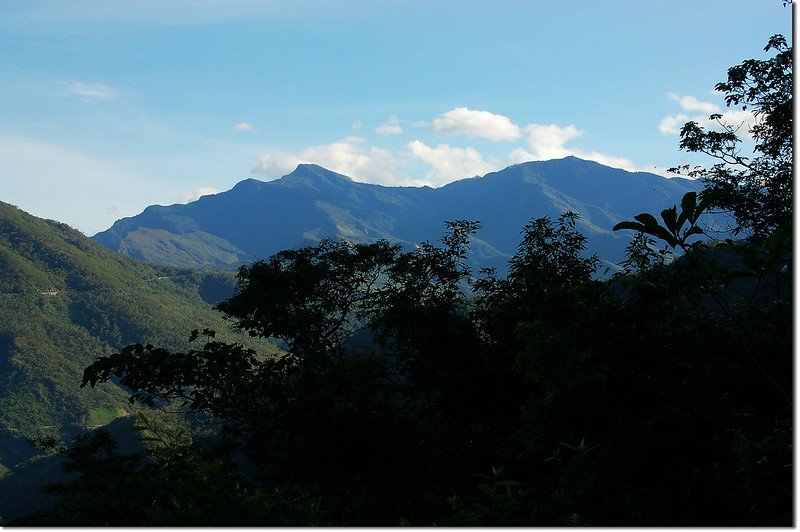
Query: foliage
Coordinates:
[758,190]
[397,387]
[672,231]
[65,301]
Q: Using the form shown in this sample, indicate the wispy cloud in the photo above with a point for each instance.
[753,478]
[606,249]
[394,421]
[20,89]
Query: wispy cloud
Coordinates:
[244,126]
[483,124]
[88,91]
[391,127]
[672,124]
[83,185]
[188,197]
[690,103]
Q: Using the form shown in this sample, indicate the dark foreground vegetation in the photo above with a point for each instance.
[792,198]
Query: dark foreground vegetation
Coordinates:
[414,391]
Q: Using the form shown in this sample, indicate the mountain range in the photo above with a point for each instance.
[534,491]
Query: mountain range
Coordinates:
[256,219]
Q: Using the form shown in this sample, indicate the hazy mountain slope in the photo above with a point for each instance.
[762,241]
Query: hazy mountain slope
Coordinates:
[506,200]
[256,219]
[65,300]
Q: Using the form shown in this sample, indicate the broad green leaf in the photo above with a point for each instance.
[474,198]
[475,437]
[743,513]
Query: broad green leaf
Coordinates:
[694,230]
[636,226]
[688,206]
[665,235]
[670,219]
[706,199]
[648,220]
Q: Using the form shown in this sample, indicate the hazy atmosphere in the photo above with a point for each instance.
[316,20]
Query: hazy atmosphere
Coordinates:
[110,106]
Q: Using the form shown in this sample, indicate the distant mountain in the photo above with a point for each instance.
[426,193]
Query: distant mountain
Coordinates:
[65,300]
[256,219]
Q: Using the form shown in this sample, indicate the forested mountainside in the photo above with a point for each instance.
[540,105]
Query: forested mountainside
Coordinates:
[255,219]
[66,300]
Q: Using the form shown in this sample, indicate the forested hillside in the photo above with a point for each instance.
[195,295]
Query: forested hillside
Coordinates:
[64,301]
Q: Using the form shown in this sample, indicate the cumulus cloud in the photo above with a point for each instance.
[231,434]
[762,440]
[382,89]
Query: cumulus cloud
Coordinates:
[423,163]
[188,197]
[549,142]
[483,124]
[89,92]
[391,127]
[742,119]
[348,156]
[690,103]
[244,126]
[448,162]
[672,124]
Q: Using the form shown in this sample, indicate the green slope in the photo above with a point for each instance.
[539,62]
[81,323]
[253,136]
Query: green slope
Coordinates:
[65,300]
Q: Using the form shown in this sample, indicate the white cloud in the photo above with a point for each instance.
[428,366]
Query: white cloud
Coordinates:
[358,124]
[89,92]
[244,126]
[690,103]
[449,163]
[425,164]
[745,119]
[549,141]
[348,156]
[188,197]
[388,129]
[672,124]
[392,127]
[483,124]
[609,160]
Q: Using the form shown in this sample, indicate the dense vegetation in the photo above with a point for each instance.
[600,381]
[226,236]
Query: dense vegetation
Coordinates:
[415,391]
[65,301]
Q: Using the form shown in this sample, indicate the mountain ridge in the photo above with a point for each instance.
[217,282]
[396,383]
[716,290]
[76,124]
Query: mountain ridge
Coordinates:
[255,219]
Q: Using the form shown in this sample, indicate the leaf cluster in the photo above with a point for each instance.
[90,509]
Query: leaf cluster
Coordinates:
[757,189]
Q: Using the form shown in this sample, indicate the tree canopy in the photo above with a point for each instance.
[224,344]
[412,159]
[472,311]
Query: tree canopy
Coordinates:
[757,189]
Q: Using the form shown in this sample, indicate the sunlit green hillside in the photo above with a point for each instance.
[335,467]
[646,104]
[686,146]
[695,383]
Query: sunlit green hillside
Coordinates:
[65,300]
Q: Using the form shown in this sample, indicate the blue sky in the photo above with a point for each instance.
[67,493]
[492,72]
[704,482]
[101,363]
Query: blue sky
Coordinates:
[109,106]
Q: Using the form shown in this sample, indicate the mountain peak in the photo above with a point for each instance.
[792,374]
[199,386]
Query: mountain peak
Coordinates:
[316,171]
[314,176]
[312,203]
